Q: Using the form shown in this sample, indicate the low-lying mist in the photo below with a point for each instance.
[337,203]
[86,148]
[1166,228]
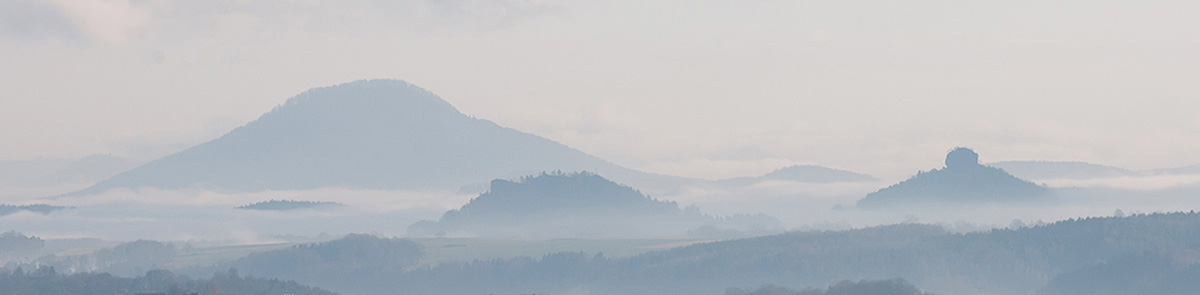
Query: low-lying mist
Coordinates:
[196,214]
[177,215]
[199,231]
[831,206]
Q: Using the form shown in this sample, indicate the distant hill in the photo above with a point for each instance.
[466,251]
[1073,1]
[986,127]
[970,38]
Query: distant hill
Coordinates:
[1186,170]
[39,177]
[30,172]
[376,134]
[962,181]
[1045,170]
[573,205]
[803,173]
[91,169]
[1061,170]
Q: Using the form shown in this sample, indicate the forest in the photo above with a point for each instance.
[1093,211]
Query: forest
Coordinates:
[1057,258]
[47,281]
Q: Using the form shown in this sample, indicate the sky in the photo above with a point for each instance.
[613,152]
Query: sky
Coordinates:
[699,88]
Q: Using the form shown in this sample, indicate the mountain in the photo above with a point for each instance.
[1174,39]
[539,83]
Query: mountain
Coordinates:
[803,173]
[962,181]
[575,205]
[371,134]
[1040,170]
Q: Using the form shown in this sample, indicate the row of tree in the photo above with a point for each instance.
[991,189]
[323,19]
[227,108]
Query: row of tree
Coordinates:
[47,281]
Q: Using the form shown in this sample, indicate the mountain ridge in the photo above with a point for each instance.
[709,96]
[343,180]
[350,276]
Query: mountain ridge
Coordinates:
[803,173]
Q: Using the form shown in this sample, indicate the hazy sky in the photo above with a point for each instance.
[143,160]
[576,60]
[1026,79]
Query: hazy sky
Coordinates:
[702,88]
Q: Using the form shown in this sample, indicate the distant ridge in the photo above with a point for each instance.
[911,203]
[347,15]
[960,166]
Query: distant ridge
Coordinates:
[1061,170]
[804,173]
[372,134]
[962,181]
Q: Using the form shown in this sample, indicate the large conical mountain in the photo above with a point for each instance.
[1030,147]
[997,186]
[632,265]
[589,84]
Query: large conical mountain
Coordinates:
[377,134]
[962,181]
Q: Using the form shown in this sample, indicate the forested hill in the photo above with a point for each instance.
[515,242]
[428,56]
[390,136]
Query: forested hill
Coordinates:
[962,182]
[342,265]
[46,281]
[575,205]
[1163,272]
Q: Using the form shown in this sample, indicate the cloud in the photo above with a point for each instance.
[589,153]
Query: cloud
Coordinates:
[108,21]
[35,20]
[79,21]
[488,13]
[1140,183]
[120,21]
